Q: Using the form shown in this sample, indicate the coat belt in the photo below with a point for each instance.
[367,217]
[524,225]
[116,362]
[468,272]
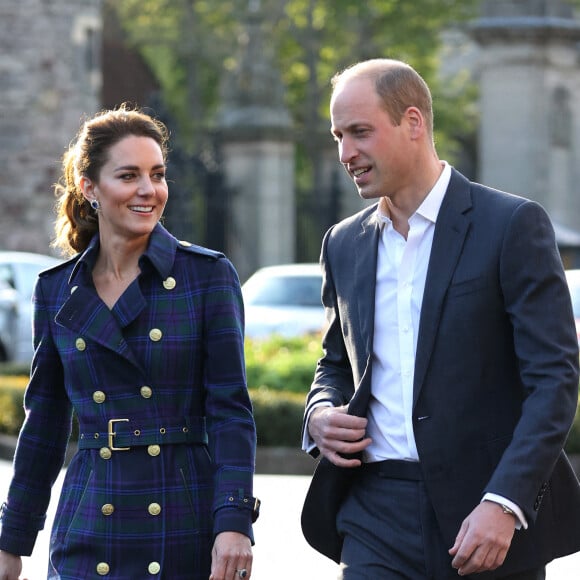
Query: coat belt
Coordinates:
[120,434]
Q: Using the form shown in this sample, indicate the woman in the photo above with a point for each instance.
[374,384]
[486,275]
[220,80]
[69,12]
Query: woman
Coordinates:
[142,336]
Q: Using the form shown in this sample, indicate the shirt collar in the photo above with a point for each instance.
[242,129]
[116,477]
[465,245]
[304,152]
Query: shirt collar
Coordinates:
[429,208]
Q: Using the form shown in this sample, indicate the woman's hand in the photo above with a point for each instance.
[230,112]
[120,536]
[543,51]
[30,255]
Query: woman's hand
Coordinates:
[230,557]
[10,566]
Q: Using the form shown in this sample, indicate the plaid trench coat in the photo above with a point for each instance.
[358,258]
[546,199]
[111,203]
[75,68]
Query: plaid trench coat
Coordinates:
[167,437]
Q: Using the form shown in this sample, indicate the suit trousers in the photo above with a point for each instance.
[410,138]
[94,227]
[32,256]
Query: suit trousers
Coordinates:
[391,533]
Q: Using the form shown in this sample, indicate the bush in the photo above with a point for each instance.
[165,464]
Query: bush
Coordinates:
[11,403]
[282,364]
[278,417]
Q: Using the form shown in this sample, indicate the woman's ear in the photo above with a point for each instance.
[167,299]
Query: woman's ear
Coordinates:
[86,186]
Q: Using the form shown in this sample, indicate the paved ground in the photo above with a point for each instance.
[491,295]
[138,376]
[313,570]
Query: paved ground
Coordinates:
[280,553]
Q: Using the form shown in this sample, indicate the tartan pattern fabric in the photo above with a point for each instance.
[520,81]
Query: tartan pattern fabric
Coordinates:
[171,347]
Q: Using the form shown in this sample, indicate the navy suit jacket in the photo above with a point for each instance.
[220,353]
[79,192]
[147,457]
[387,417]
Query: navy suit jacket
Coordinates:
[496,369]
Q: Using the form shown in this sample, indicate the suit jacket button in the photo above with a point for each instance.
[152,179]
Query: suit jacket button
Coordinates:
[146,392]
[154,568]
[154,450]
[102,568]
[80,344]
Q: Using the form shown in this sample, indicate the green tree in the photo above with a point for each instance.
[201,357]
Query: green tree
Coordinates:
[190,45]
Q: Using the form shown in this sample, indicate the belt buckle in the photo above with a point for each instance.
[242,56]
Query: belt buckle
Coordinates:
[112,434]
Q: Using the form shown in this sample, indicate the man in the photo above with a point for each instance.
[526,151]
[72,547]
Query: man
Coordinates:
[449,378]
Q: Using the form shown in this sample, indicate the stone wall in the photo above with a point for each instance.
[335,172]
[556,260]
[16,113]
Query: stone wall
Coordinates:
[49,78]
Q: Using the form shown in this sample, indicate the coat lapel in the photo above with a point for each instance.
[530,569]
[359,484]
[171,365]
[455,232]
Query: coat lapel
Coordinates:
[452,225]
[85,314]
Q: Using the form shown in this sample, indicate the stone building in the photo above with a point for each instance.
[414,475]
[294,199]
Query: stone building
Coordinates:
[50,75]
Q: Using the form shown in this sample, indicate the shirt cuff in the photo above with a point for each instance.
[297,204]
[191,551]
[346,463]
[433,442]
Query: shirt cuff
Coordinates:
[308,443]
[521,521]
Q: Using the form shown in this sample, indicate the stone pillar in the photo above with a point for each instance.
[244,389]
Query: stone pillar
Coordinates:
[49,77]
[258,153]
[529,141]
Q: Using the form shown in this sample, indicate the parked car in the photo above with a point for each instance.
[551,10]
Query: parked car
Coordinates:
[18,272]
[573,278]
[284,300]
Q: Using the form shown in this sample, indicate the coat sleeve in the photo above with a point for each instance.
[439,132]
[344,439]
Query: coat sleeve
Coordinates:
[231,427]
[42,441]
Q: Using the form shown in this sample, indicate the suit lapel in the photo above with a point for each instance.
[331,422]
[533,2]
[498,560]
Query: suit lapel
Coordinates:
[452,225]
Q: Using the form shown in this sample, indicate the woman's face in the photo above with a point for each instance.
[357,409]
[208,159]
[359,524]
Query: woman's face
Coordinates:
[131,189]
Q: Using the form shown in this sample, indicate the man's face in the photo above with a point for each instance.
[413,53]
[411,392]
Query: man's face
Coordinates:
[374,151]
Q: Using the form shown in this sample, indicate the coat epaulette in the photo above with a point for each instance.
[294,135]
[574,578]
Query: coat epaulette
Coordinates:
[59,266]
[200,250]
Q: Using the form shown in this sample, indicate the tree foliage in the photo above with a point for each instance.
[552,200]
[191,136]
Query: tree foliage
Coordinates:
[190,45]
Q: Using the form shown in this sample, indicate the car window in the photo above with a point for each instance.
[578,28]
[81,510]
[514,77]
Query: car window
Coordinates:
[27,274]
[7,275]
[284,291]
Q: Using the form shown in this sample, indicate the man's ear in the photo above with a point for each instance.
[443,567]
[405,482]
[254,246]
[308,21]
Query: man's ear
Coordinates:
[416,122]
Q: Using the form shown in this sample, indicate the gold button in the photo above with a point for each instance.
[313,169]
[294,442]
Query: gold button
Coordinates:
[105,453]
[154,450]
[80,344]
[154,509]
[169,283]
[146,392]
[108,509]
[154,568]
[184,244]
[155,334]
[99,397]
[102,568]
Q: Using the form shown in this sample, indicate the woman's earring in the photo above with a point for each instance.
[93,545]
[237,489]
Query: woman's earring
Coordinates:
[95,204]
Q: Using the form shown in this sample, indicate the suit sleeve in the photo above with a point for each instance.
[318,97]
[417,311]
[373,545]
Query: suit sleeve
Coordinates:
[538,304]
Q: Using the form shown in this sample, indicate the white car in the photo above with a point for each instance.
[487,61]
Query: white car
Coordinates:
[284,300]
[18,273]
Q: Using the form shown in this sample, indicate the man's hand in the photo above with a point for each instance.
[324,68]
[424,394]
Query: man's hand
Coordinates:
[337,433]
[10,566]
[483,540]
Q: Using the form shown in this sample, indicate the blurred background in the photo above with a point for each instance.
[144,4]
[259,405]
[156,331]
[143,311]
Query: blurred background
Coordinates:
[244,87]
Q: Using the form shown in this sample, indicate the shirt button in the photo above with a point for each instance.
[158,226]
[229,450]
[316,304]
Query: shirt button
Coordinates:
[108,509]
[80,344]
[102,568]
[154,450]
[155,334]
[154,568]
[105,453]
[99,397]
[146,392]
[154,509]
[169,283]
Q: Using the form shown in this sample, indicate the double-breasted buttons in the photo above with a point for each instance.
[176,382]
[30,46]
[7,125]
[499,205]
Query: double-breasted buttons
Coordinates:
[154,509]
[154,450]
[169,283]
[105,453]
[107,509]
[80,344]
[99,397]
[155,334]
[146,392]
[103,568]
[154,568]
